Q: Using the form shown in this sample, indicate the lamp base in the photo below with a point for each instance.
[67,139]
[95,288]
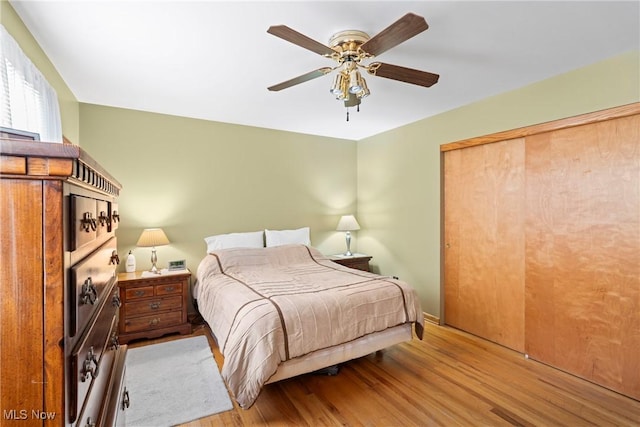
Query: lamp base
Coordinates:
[154,260]
[348,239]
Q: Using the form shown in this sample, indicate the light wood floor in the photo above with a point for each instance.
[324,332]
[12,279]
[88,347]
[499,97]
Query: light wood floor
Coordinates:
[451,378]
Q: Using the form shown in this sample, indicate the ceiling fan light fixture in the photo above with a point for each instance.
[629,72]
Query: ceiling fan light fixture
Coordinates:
[365,90]
[337,89]
[355,82]
[349,49]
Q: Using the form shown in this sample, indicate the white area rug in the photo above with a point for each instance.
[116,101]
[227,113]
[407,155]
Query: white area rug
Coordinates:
[174,382]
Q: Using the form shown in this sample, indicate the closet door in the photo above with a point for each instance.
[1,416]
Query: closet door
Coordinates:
[583,251]
[484,245]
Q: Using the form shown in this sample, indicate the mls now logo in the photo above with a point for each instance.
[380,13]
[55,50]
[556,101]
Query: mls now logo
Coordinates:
[23,414]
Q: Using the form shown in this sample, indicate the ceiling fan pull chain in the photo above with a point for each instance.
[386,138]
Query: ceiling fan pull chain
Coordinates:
[347,114]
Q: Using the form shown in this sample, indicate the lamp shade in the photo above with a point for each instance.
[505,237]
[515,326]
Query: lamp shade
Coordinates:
[152,237]
[348,223]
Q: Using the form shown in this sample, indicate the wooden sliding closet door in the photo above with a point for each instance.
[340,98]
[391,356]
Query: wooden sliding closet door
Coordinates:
[484,241]
[583,251]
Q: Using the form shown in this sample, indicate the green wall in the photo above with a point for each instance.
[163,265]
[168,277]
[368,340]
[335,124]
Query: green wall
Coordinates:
[69,110]
[196,178]
[399,171]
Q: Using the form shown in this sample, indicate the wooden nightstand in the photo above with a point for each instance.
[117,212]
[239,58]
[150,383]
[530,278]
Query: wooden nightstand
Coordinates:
[357,261]
[153,306]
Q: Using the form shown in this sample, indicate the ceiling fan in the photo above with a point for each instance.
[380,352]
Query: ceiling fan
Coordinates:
[351,49]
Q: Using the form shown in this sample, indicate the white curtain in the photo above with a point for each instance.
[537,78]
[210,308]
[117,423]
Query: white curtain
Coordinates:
[29,103]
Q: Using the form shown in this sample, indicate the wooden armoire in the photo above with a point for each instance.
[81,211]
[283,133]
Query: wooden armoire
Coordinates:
[60,360]
[542,243]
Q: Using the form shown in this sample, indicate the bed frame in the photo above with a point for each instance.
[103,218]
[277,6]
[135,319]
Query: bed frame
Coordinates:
[342,353]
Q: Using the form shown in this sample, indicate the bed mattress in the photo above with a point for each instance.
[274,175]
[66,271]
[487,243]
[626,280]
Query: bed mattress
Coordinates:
[268,306]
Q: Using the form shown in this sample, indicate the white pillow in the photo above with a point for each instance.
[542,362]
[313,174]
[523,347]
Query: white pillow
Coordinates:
[253,239]
[287,237]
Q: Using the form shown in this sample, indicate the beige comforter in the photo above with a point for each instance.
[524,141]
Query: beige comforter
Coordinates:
[268,305]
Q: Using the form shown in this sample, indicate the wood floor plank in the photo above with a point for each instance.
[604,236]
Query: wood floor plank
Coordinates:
[451,378]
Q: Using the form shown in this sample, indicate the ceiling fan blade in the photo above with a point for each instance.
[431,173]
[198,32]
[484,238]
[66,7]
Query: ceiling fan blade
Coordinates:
[301,79]
[299,39]
[403,74]
[401,30]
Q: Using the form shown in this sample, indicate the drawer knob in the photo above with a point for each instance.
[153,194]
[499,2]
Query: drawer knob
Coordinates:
[88,222]
[154,322]
[90,422]
[90,366]
[89,292]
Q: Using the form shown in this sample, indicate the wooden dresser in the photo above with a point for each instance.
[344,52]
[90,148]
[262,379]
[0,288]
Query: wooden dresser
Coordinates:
[60,359]
[153,305]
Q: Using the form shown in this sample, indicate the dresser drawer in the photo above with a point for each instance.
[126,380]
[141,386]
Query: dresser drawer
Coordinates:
[157,321]
[137,293]
[94,401]
[169,289]
[91,356]
[89,279]
[150,291]
[152,305]
[117,399]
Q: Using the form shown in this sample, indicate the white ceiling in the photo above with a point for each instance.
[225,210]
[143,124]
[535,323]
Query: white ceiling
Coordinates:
[214,60]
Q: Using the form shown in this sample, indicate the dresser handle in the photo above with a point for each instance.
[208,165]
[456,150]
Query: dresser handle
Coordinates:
[169,288]
[139,293]
[89,294]
[115,341]
[90,423]
[116,301]
[154,322]
[88,223]
[125,399]
[103,218]
[90,366]
[115,259]
[154,305]
[115,217]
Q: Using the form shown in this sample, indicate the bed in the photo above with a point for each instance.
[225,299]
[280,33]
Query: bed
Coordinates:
[277,312]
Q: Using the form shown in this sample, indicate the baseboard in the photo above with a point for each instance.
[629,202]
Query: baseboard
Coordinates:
[431,318]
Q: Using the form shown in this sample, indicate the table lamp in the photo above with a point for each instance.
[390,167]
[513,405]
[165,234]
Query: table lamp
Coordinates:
[152,237]
[348,223]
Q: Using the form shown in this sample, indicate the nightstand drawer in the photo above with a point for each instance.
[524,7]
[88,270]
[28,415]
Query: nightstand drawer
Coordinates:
[153,305]
[136,293]
[168,289]
[158,321]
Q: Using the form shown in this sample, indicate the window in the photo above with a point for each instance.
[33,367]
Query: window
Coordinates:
[29,103]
